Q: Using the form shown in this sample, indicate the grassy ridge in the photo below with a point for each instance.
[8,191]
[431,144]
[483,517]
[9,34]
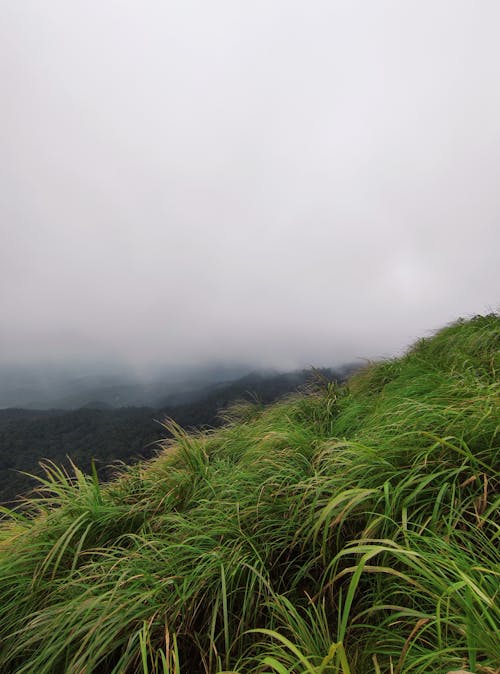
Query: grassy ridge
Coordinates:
[351,530]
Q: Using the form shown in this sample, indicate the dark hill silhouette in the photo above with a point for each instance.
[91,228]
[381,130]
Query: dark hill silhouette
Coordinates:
[104,434]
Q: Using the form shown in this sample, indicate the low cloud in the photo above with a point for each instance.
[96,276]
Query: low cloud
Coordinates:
[261,182]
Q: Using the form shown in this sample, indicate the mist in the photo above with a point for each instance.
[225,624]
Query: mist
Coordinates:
[275,184]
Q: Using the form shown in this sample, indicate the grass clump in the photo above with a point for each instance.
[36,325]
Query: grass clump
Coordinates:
[345,531]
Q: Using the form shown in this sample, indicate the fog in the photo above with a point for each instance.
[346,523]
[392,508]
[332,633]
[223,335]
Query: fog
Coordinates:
[274,183]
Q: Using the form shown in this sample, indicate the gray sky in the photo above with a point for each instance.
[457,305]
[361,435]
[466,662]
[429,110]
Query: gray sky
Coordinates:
[277,181]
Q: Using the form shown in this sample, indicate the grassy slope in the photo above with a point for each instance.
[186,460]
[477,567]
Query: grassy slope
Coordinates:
[351,530]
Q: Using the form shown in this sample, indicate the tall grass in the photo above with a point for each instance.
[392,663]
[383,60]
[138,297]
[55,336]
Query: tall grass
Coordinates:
[349,530]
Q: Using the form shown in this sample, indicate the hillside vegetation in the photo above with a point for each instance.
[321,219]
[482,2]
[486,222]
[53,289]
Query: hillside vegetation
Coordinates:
[350,530]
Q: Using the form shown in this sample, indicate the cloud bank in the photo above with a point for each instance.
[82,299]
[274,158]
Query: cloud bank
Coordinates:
[273,182]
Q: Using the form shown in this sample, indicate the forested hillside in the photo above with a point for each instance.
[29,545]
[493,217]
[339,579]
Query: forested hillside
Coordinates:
[106,435]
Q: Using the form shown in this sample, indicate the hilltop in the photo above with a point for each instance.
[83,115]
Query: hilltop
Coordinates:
[352,529]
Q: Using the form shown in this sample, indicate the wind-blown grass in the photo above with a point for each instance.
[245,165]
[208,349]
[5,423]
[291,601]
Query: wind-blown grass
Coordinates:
[349,530]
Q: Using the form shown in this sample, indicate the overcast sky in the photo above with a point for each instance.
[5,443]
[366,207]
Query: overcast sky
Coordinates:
[275,181]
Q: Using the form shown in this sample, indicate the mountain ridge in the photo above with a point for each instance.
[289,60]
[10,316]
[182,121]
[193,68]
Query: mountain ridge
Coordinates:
[344,530]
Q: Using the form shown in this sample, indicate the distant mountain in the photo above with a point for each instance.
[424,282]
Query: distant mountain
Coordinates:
[98,431]
[73,387]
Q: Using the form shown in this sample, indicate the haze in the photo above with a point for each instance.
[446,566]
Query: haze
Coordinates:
[279,183]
